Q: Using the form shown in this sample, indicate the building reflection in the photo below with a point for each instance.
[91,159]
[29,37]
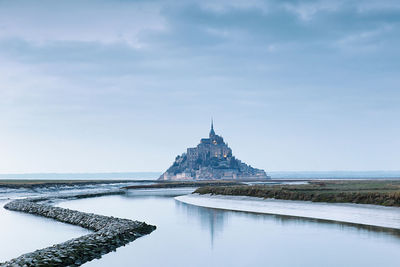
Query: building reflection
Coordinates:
[212,220]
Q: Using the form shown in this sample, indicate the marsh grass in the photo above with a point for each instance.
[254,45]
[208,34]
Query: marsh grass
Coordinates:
[386,193]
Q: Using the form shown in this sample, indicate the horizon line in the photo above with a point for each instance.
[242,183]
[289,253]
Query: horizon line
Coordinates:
[122,172]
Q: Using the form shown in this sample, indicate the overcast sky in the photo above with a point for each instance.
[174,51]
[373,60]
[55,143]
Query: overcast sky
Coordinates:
[98,86]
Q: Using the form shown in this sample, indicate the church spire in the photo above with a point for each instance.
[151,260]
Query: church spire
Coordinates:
[212,133]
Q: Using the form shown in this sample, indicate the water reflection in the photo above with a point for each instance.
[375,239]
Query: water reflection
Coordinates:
[157,192]
[214,219]
[210,219]
[188,235]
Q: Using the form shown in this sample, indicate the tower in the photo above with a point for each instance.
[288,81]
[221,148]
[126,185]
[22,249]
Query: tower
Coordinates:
[212,133]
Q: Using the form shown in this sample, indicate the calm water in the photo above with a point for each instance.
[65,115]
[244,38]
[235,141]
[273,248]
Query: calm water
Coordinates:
[187,235]
[22,233]
[344,212]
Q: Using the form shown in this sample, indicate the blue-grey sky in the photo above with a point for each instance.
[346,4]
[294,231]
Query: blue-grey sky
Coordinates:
[94,86]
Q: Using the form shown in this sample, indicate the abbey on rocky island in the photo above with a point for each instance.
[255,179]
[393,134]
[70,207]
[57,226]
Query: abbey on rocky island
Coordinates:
[211,159]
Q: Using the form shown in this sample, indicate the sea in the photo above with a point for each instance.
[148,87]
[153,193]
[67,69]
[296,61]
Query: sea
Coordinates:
[155,175]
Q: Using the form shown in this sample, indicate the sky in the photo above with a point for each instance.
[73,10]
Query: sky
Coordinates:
[108,86]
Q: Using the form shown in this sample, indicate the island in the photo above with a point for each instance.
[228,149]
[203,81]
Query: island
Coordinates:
[212,159]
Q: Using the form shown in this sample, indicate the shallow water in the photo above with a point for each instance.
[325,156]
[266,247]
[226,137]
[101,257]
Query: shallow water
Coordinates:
[188,235]
[22,233]
[12,193]
[345,212]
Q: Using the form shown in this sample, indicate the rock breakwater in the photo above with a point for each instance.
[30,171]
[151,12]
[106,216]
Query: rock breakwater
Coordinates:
[109,234]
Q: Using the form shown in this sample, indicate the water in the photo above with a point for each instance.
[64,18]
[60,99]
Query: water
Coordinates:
[155,175]
[188,235]
[22,233]
[344,212]
[59,190]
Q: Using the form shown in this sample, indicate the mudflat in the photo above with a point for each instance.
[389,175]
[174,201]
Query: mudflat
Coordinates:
[28,183]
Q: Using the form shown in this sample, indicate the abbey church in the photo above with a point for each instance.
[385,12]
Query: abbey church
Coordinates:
[211,159]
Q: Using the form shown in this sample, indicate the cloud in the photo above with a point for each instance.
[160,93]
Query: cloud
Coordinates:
[187,25]
[275,65]
[225,6]
[80,21]
[308,9]
[367,40]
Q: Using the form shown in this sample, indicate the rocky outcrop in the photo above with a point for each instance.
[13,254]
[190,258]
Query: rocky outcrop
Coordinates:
[109,234]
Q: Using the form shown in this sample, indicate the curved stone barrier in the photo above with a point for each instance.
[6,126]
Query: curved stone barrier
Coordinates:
[109,234]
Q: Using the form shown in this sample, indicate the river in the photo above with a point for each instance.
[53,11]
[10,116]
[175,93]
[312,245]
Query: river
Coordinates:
[188,235]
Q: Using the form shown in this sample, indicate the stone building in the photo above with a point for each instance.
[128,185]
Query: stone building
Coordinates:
[211,159]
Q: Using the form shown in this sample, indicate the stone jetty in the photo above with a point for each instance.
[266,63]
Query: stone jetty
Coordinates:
[109,234]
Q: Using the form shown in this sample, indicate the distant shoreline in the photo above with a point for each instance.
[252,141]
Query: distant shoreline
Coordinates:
[84,176]
[39,183]
[275,175]
[180,184]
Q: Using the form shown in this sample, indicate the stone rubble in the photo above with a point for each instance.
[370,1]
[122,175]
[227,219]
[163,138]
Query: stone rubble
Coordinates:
[109,234]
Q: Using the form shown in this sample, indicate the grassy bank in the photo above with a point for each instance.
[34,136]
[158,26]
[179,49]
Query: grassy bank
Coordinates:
[386,193]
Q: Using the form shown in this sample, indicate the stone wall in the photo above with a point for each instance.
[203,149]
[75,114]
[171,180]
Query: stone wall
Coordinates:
[109,234]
